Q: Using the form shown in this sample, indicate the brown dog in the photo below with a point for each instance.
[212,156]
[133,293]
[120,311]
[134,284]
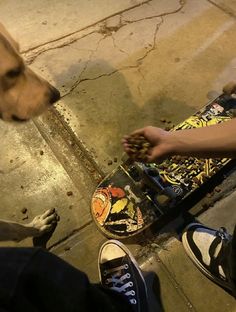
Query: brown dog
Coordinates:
[23,95]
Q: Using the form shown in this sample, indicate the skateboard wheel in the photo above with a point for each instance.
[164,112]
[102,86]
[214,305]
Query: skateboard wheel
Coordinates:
[217,189]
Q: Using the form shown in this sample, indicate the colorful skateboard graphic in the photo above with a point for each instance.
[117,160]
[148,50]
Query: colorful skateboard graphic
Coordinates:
[135,195]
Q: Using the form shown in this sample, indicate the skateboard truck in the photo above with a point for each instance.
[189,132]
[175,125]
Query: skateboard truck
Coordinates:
[150,177]
[131,196]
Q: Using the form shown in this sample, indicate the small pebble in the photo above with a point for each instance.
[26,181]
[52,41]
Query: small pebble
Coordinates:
[69,193]
[154,245]
[205,205]
[24,210]
[115,159]
[41,152]
[207,202]
[25,218]
[109,162]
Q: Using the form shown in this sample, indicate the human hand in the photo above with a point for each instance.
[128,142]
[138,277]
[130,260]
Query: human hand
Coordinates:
[156,150]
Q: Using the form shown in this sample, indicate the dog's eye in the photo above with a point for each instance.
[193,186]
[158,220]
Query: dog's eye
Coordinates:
[13,73]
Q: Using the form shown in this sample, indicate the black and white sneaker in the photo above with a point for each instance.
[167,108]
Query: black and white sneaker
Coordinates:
[119,272]
[209,251]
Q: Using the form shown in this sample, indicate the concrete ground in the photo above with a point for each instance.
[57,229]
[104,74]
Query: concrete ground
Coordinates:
[119,65]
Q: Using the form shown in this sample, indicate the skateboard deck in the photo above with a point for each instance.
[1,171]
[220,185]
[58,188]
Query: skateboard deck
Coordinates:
[135,195]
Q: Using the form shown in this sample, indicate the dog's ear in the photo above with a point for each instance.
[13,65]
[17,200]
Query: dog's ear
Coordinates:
[9,38]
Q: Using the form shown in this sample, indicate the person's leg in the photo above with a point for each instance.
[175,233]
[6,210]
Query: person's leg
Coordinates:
[36,280]
[213,252]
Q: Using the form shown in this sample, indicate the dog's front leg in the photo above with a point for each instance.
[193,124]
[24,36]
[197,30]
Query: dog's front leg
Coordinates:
[40,224]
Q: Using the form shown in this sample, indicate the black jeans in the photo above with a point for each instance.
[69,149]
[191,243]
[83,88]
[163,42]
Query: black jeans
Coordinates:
[33,280]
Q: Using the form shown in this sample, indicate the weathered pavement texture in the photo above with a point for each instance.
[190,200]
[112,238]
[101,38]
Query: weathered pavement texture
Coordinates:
[119,65]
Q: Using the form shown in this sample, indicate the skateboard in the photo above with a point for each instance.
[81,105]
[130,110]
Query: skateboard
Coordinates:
[136,195]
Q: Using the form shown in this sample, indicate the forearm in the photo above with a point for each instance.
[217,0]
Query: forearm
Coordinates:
[213,141]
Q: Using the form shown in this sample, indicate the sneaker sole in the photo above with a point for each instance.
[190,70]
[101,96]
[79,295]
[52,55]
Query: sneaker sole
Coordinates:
[126,250]
[198,263]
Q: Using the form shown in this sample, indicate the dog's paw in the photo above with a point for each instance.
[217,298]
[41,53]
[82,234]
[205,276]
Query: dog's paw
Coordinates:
[45,222]
[230,88]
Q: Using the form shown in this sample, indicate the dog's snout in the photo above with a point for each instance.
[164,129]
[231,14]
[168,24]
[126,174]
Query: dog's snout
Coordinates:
[54,95]
[18,119]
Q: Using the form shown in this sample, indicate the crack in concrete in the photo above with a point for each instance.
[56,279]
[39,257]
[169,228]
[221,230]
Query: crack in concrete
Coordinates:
[109,30]
[84,69]
[119,69]
[32,58]
[223,8]
[153,47]
[84,28]
[182,3]
[116,46]
[13,168]
[103,29]
[139,85]
[139,60]
[69,236]
[153,257]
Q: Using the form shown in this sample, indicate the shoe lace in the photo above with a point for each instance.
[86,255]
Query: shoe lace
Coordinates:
[224,238]
[120,282]
[223,234]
